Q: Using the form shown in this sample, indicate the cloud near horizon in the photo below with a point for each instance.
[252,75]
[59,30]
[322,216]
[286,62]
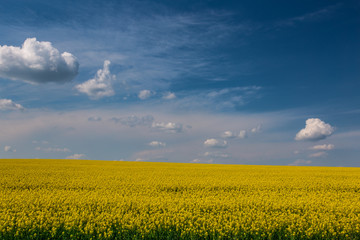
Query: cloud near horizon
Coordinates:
[37,62]
[76,156]
[323,147]
[314,130]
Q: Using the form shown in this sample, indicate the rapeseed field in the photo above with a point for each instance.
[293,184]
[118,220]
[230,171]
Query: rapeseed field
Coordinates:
[74,199]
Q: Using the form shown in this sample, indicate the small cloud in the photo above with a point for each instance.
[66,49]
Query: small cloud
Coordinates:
[94,119]
[100,86]
[228,134]
[197,160]
[323,147]
[133,121]
[37,62]
[76,156]
[52,149]
[157,144]
[296,152]
[145,94]
[7,104]
[318,154]
[169,127]
[215,143]
[169,96]
[216,155]
[300,162]
[256,129]
[9,149]
[314,130]
[242,134]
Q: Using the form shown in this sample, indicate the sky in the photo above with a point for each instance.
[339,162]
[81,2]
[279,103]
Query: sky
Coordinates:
[225,82]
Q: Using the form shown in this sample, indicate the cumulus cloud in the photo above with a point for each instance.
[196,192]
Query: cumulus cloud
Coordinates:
[215,143]
[133,120]
[100,86]
[76,156]
[37,62]
[9,149]
[7,104]
[157,144]
[145,94]
[314,130]
[323,147]
[318,154]
[242,134]
[169,127]
[169,96]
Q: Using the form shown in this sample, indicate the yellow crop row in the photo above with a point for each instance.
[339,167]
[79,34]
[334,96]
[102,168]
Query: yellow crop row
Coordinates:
[69,199]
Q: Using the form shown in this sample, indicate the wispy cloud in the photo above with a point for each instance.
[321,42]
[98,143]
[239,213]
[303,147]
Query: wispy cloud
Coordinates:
[76,156]
[308,17]
[169,127]
[9,149]
[157,144]
[323,147]
[133,120]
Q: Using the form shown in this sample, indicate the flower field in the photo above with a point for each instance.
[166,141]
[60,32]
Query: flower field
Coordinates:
[74,199]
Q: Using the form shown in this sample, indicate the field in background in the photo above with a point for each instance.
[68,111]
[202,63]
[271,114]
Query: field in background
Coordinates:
[70,199]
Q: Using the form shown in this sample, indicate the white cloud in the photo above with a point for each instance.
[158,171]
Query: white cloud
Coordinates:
[323,147]
[7,104]
[50,149]
[100,86]
[133,120]
[228,134]
[242,134]
[215,143]
[169,96]
[9,149]
[300,162]
[314,130]
[256,129]
[37,62]
[157,144]
[169,127]
[145,94]
[197,160]
[76,156]
[318,154]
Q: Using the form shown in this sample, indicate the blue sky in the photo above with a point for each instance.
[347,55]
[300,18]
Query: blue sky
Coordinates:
[242,82]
